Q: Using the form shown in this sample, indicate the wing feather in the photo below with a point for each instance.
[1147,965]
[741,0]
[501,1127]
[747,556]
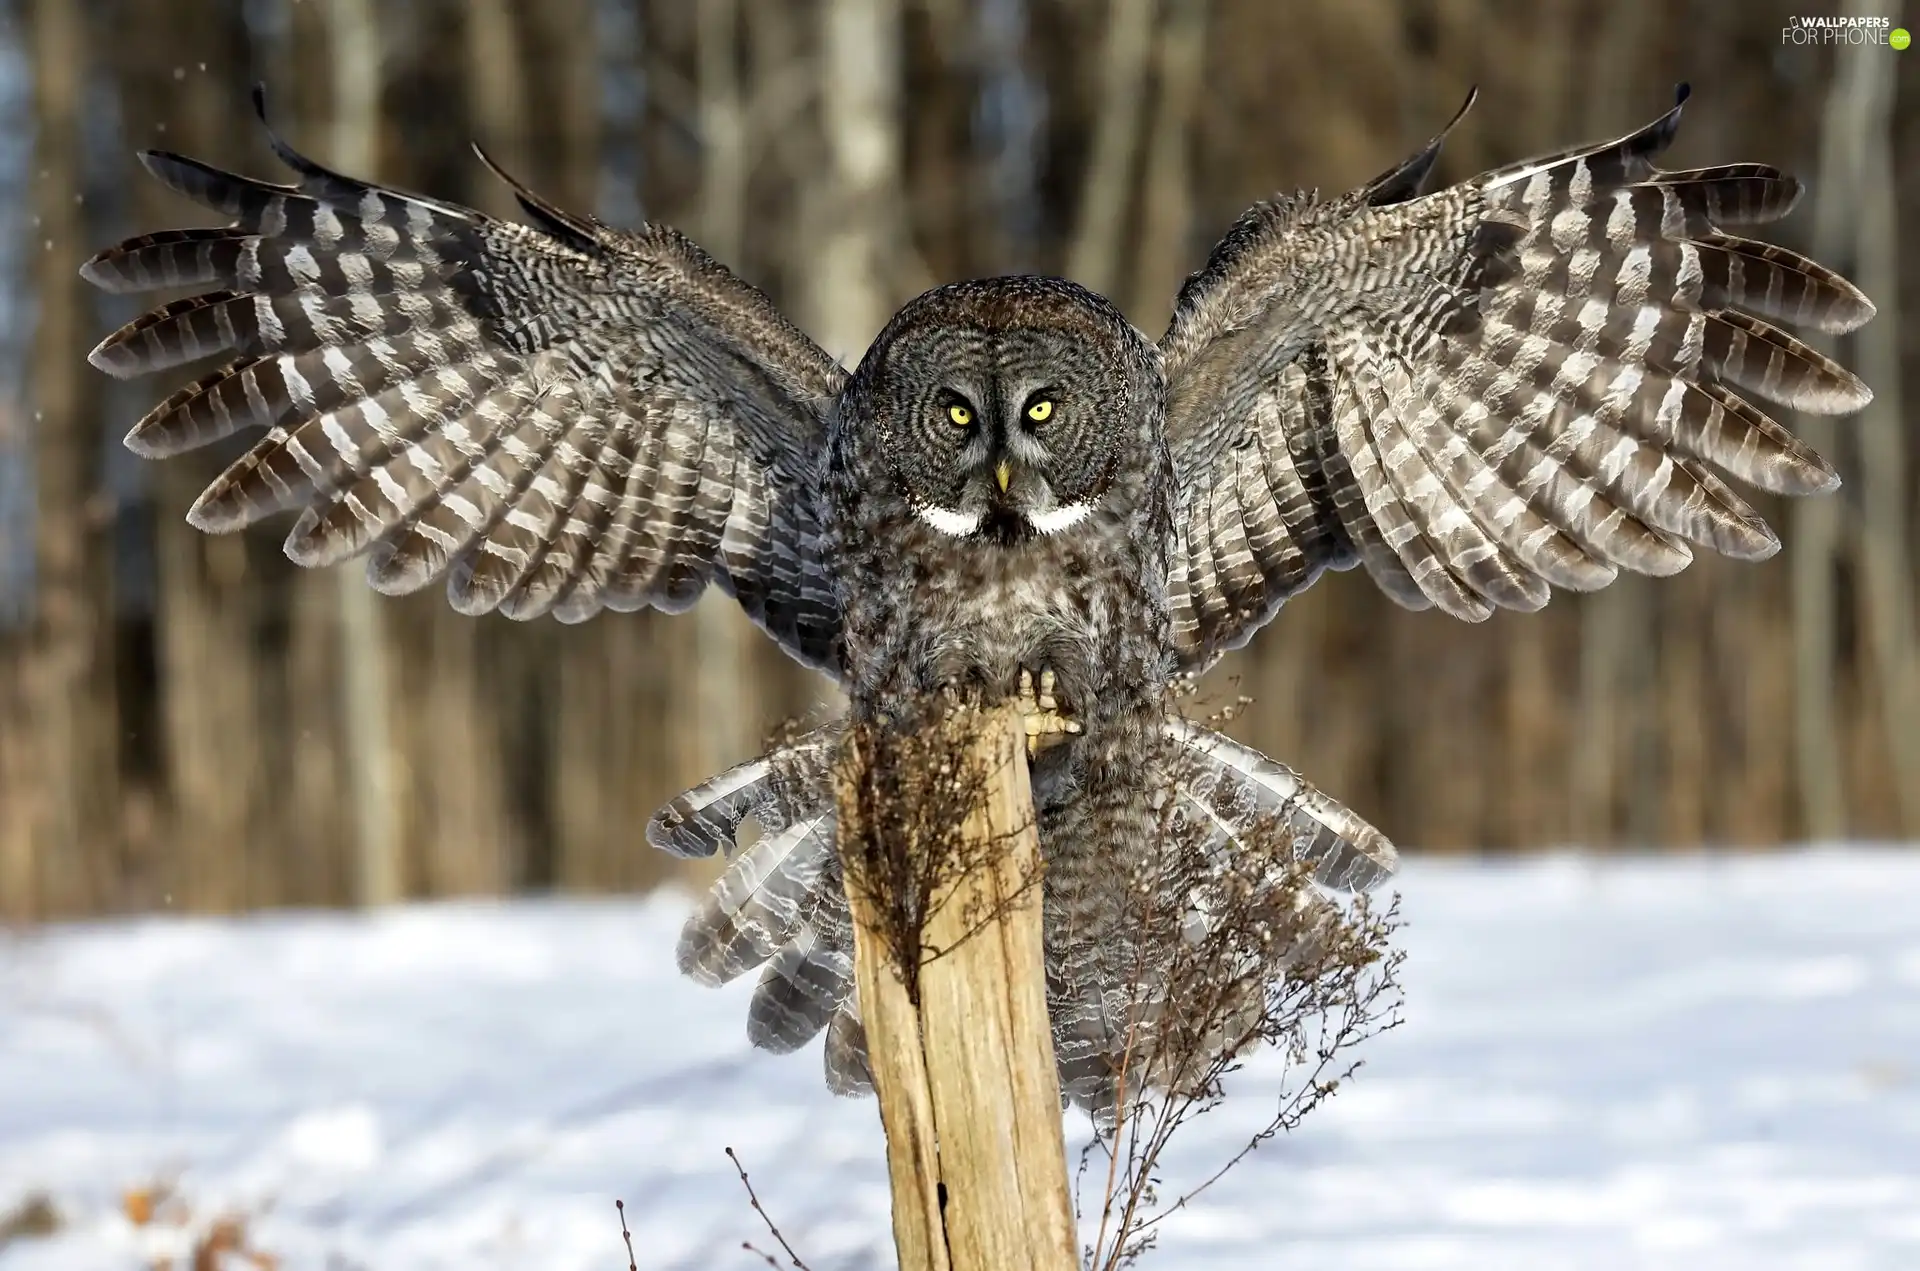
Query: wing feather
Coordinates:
[1531,380]
[555,418]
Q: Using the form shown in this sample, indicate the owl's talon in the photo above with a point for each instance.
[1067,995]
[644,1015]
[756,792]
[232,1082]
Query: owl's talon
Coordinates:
[1040,713]
[1047,701]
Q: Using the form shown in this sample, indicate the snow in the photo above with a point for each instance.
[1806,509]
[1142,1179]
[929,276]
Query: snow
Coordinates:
[1690,1062]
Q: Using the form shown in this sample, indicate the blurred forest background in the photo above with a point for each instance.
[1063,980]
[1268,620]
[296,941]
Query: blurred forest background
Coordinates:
[191,722]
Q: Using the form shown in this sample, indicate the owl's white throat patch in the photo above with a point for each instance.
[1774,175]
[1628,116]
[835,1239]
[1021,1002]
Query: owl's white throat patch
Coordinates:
[964,524]
[1053,520]
[947,521]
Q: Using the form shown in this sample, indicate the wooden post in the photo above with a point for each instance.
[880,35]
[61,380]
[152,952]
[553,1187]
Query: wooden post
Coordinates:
[969,1096]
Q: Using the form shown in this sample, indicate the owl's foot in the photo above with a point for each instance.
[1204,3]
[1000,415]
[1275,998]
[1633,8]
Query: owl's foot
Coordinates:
[1040,713]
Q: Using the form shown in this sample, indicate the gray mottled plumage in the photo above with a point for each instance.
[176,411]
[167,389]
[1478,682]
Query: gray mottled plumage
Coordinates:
[1528,380]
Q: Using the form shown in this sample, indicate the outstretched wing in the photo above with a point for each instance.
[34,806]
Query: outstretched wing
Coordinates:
[555,419]
[1523,381]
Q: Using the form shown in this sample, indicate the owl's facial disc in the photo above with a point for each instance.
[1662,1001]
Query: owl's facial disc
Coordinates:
[1009,410]
[1003,467]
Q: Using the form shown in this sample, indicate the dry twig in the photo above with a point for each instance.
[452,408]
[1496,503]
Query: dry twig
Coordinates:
[621,1207]
[766,1218]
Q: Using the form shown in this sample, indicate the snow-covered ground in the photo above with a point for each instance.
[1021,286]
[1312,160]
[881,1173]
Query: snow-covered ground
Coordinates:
[1694,1063]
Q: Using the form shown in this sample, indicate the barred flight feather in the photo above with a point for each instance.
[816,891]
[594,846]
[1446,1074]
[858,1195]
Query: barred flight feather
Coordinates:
[551,420]
[1531,380]
[756,906]
[845,1053]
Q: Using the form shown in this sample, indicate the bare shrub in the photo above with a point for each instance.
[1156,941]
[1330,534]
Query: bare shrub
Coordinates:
[919,780]
[1239,950]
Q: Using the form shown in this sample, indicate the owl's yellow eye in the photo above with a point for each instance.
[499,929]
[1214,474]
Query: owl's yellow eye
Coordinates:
[960,415]
[1041,411]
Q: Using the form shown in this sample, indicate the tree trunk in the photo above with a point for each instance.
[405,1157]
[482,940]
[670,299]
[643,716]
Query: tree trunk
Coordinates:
[209,605]
[850,287]
[962,1059]
[379,877]
[1887,566]
[1817,522]
[69,667]
[1094,255]
[1166,217]
[720,720]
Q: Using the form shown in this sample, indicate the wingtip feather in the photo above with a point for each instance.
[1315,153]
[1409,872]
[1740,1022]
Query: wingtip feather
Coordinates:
[1856,311]
[1843,393]
[309,545]
[1766,545]
[156,162]
[96,271]
[142,445]
[207,514]
[109,356]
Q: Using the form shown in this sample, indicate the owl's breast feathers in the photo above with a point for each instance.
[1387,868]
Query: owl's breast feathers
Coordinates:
[926,610]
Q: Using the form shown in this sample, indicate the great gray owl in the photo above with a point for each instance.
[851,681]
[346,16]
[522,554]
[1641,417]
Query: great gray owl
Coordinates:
[1523,381]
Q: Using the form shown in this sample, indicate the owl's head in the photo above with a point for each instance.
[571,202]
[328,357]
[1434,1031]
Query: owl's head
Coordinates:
[1010,408]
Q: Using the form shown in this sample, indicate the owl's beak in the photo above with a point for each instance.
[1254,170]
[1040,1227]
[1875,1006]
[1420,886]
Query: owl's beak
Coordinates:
[1003,473]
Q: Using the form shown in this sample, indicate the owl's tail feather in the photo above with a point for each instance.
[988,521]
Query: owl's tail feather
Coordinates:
[1237,785]
[781,903]
[848,1072]
[759,906]
[807,980]
[1238,825]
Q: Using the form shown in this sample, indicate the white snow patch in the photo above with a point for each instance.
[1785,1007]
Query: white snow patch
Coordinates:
[343,1140]
[1676,1062]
